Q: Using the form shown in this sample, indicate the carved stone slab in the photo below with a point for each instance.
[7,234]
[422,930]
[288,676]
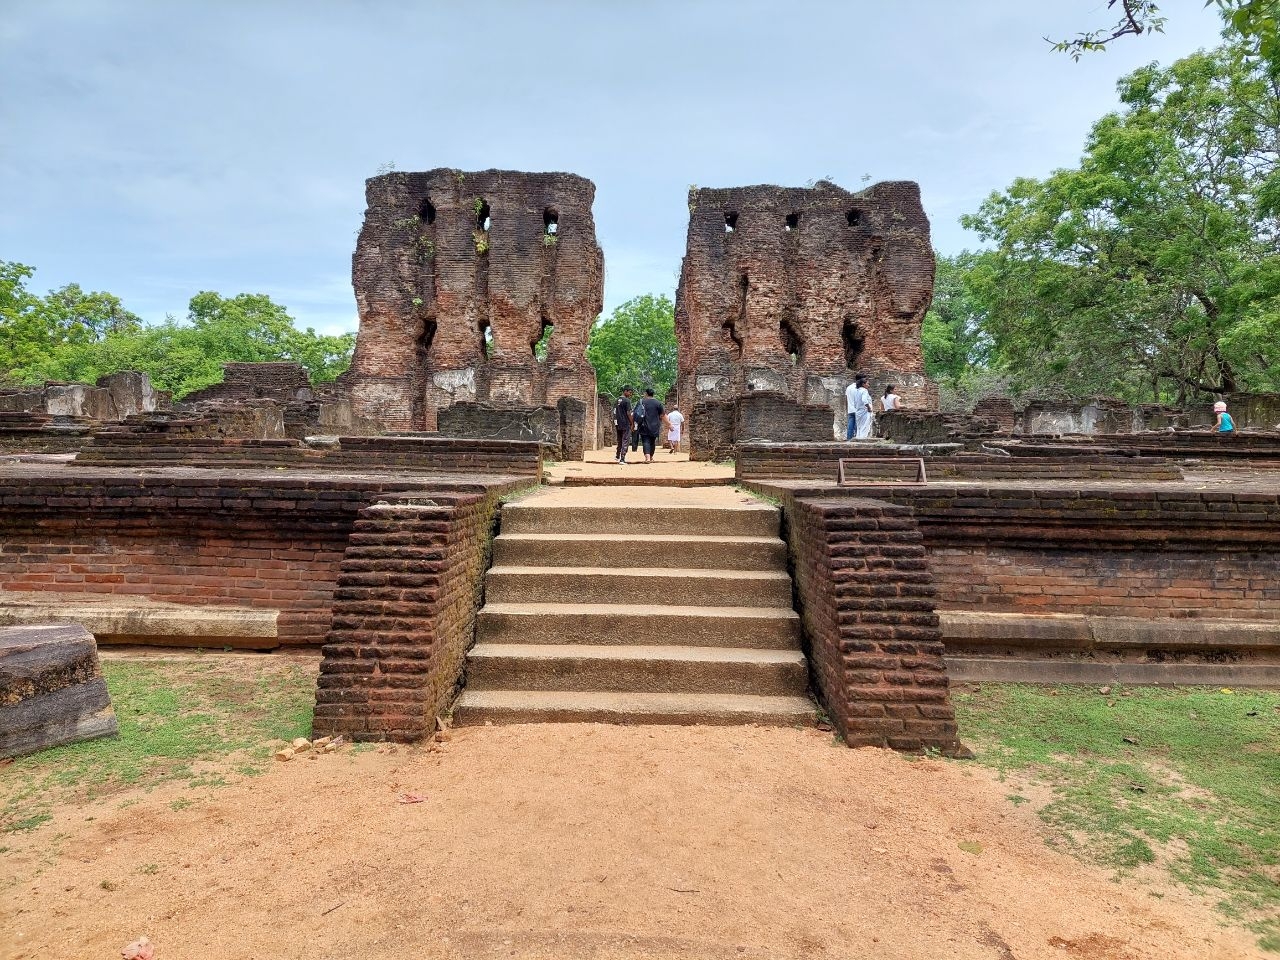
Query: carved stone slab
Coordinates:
[51,689]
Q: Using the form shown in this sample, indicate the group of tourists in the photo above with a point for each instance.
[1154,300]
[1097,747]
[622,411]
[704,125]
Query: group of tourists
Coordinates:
[640,425]
[862,407]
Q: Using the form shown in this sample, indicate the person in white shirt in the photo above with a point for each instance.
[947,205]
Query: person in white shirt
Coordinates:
[858,401]
[890,400]
[675,419]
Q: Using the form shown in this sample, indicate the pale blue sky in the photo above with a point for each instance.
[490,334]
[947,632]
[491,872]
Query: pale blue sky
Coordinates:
[155,148]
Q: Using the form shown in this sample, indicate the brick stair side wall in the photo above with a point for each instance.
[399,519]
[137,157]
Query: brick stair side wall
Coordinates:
[866,601]
[404,612]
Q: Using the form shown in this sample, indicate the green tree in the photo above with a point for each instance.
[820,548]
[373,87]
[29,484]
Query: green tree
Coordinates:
[1153,270]
[33,329]
[72,335]
[635,345]
[953,336]
[1255,21]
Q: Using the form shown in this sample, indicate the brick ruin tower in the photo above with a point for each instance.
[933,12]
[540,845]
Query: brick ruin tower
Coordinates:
[792,291]
[457,276]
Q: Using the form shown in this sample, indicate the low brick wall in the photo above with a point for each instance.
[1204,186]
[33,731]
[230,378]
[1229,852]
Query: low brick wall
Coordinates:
[717,425]
[821,461]
[1255,448]
[403,617]
[451,455]
[1173,552]
[866,599]
[194,537]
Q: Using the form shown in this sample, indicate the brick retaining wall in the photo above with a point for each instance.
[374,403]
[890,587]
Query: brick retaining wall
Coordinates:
[204,539]
[418,454]
[820,461]
[866,601]
[1180,553]
[403,616]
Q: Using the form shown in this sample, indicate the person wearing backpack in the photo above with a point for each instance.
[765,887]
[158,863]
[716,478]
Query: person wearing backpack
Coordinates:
[650,416]
[623,420]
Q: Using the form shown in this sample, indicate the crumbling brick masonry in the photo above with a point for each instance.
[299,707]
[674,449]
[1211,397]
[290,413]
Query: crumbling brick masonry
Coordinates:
[457,276]
[794,290]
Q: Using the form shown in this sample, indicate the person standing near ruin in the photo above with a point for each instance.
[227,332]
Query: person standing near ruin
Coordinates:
[1224,423]
[623,421]
[858,400]
[649,420]
[676,419]
[890,400]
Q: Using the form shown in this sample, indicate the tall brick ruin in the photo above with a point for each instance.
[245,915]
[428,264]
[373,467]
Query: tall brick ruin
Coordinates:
[457,275]
[793,290]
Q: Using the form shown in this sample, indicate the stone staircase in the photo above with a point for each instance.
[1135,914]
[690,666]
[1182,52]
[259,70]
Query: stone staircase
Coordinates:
[637,605]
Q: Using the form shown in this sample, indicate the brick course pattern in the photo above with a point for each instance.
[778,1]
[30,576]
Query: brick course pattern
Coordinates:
[781,461]
[247,540]
[1119,552]
[403,616]
[447,455]
[793,290]
[446,260]
[866,599]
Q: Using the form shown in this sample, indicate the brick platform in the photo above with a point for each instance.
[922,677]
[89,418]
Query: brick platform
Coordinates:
[866,599]
[403,616]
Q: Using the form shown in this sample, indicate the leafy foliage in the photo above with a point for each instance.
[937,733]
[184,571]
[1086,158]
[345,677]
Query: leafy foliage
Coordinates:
[1152,270]
[78,336]
[635,345]
[1256,21]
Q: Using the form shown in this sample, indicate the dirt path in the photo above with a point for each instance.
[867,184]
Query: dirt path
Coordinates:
[585,842]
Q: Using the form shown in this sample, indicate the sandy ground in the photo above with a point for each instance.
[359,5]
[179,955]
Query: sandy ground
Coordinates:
[586,842]
[600,465]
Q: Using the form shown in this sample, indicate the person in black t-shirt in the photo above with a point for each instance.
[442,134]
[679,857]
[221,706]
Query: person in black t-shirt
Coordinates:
[650,424]
[623,422]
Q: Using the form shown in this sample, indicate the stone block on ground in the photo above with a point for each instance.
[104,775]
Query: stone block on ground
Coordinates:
[51,689]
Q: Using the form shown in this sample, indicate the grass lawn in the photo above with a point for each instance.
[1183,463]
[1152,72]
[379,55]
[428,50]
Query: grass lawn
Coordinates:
[1187,779]
[181,719]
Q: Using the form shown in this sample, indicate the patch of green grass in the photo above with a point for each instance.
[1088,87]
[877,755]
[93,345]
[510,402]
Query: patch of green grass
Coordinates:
[1187,778]
[171,713]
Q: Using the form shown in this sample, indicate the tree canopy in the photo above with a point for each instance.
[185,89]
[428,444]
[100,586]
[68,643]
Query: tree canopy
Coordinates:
[636,345]
[72,335]
[1152,270]
[1257,21]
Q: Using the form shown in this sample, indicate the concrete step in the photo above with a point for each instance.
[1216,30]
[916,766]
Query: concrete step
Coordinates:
[671,586]
[745,520]
[532,706]
[611,623]
[629,549]
[666,669]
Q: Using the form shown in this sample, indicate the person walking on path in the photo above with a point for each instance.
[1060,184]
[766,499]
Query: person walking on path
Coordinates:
[676,419]
[858,400]
[649,420]
[623,420]
[1224,423]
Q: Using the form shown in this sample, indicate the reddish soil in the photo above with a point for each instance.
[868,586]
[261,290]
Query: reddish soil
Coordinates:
[586,842]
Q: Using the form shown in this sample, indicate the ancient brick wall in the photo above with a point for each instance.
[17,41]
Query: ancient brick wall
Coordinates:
[795,290]
[403,616]
[999,410]
[1113,582]
[114,397]
[457,276]
[248,381]
[208,539]
[1126,551]
[866,601]
[780,461]
[420,455]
